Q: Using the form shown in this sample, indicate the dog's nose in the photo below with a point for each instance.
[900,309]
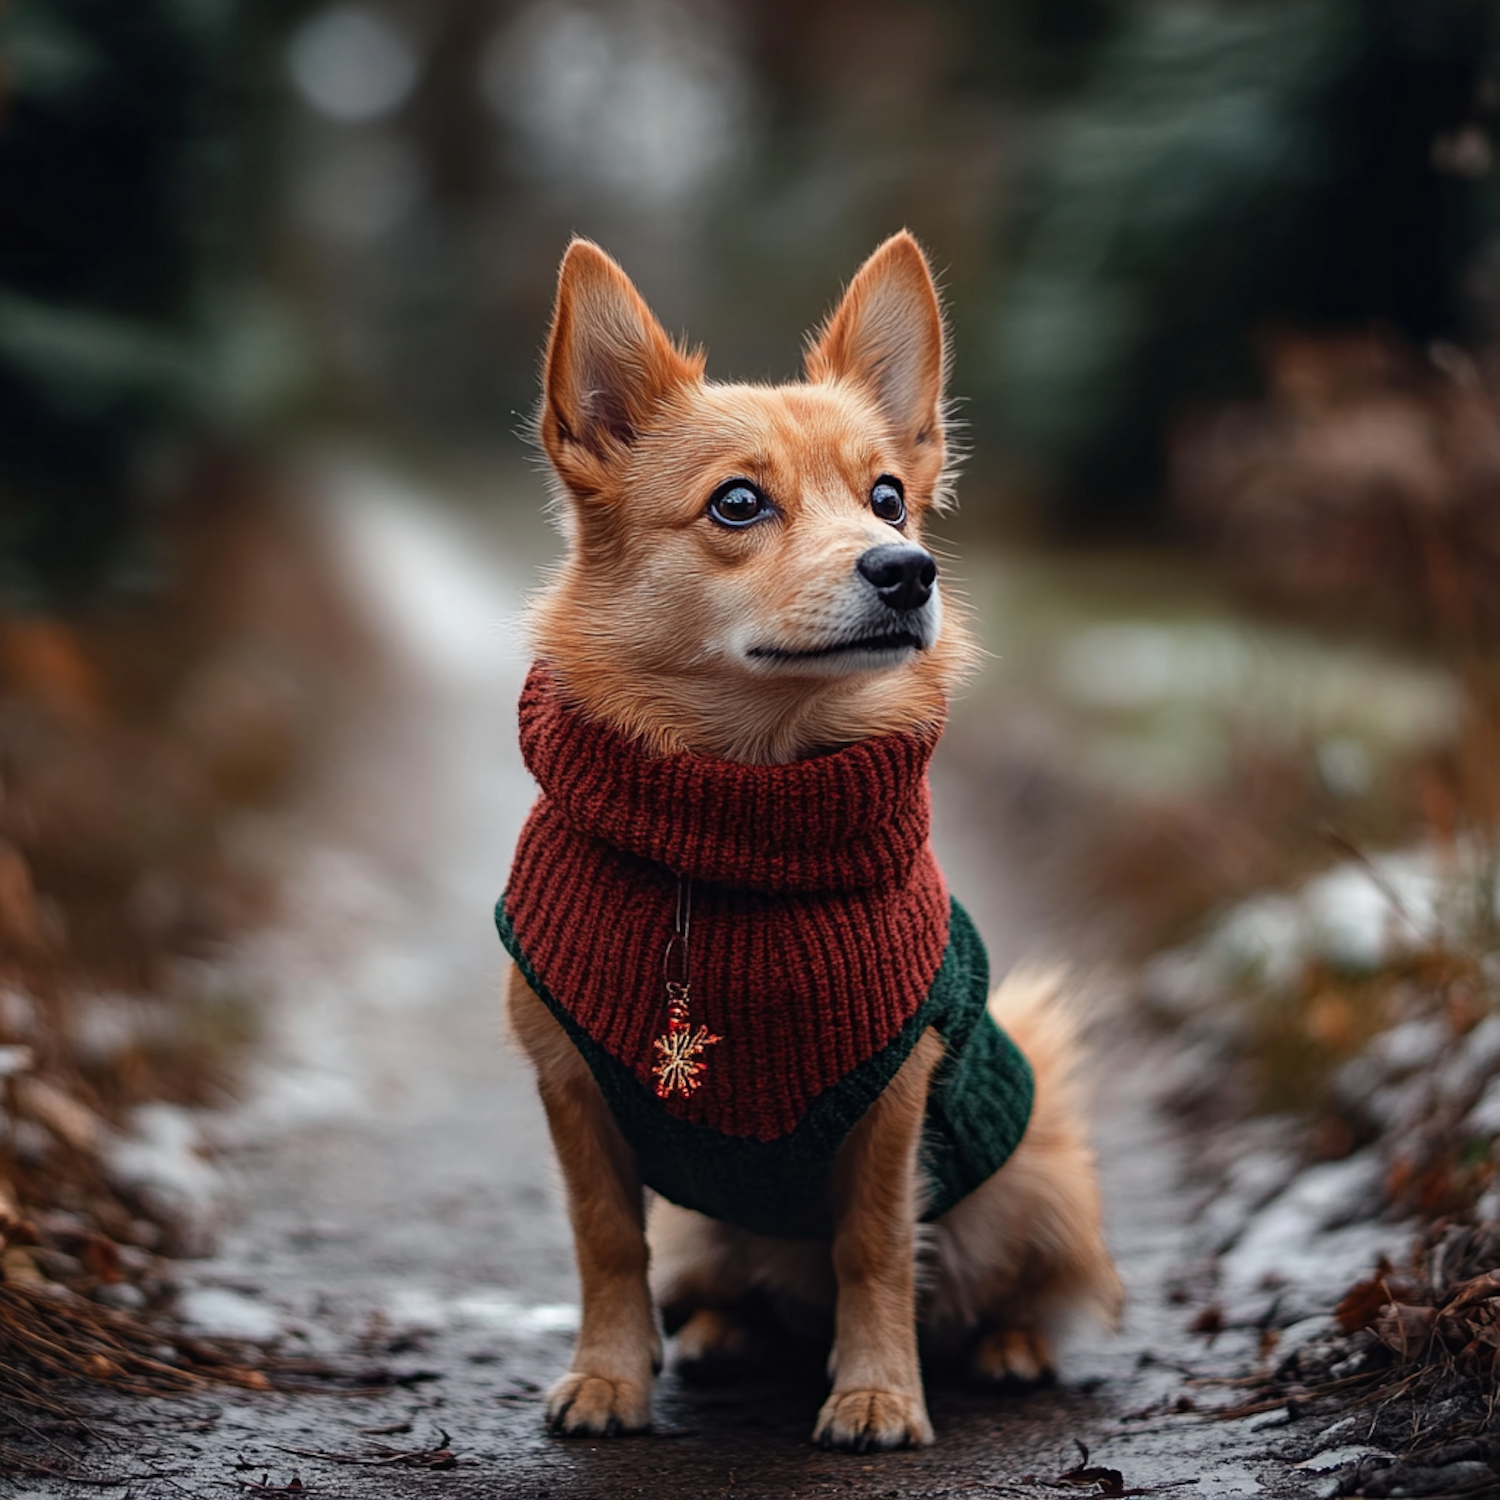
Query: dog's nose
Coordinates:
[903,574]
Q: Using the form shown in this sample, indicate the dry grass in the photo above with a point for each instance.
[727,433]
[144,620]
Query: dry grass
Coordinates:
[1361,488]
[135,737]
[1416,1360]
[1363,491]
[1166,863]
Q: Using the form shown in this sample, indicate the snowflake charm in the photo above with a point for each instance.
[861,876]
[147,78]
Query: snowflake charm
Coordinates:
[678,1068]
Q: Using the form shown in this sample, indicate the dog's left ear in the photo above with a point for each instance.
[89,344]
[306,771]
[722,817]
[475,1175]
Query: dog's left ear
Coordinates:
[886,335]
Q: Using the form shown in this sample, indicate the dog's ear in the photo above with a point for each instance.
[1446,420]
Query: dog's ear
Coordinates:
[609,367]
[886,335]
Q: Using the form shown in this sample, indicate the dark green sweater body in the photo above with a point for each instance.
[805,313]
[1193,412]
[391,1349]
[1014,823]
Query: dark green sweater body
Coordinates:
[977,1111]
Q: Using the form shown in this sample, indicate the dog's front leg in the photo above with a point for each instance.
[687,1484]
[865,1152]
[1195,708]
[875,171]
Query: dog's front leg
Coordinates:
[877,1399]
[608,1386]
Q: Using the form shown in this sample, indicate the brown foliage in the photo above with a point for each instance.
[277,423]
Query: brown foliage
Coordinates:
[1364,484]
[132,737]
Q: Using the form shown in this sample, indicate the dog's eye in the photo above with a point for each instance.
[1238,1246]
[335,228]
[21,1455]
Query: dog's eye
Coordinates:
[738,503]
[887,500]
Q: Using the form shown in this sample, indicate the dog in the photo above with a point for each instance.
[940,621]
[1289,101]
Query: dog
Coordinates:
[743,662]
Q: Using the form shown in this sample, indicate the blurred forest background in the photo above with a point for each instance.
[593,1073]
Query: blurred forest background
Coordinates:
[225,221]
[1225,282]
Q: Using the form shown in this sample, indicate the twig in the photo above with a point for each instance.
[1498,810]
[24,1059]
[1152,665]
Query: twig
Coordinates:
[438,1456]
[1436,936]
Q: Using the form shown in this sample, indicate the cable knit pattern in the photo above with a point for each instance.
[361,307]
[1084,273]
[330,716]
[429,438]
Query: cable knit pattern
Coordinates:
[819,917]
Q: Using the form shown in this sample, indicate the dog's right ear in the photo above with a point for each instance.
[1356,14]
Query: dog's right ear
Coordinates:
[609,368]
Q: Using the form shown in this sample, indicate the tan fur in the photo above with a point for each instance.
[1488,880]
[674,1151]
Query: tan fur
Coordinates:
[649,624]
[1025,1250]
[877,1400]
[1015,1263]
[608,1386]
[635,618]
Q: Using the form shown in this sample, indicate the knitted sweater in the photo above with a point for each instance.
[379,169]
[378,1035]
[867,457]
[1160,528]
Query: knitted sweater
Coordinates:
[823,944]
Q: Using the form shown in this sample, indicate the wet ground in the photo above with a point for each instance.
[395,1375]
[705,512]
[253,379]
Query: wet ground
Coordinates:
[389,1195]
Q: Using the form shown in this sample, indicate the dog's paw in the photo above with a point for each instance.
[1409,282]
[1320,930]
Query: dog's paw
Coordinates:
[716,1345]
[1019,1356]
[868,1421]
[582,1405]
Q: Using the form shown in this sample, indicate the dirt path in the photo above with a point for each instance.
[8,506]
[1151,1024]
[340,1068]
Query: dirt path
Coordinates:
[389,1178]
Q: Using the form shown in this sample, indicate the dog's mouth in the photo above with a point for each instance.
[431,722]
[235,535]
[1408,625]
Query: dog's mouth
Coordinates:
[886,643]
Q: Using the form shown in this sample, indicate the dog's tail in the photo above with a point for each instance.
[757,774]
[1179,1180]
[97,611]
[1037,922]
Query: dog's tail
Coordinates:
[1037,1005]
[1040,1007]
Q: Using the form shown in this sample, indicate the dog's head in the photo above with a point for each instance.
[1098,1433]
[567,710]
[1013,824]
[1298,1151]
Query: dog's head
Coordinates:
[746,574]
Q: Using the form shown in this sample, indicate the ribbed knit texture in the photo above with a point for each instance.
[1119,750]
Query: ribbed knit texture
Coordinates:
[823,945]
[819,915]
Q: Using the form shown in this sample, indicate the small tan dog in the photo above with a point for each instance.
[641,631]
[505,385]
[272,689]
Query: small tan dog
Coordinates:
[746,604]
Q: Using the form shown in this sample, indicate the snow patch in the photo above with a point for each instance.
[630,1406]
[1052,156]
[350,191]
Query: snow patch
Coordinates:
[1338,1458]
[492,1308]
[222,1313]
[163,1156]
[1484,1118]
[1358,915]
[1305,1236]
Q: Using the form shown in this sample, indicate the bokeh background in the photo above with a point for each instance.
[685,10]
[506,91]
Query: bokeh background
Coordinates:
[1224,281]
[228,221]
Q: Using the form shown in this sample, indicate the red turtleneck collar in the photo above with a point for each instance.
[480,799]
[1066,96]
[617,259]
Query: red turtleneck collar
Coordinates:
[819,914]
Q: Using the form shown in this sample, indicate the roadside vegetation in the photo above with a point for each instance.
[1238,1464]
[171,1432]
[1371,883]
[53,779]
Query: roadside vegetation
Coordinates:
[142,744]
[1353,1000]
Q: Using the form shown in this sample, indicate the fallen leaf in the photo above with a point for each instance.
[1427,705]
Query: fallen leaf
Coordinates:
[1361,1305]
[1404,1328]
[1476,1289]
[102,1257]
[1209,1322]
[74,1124]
